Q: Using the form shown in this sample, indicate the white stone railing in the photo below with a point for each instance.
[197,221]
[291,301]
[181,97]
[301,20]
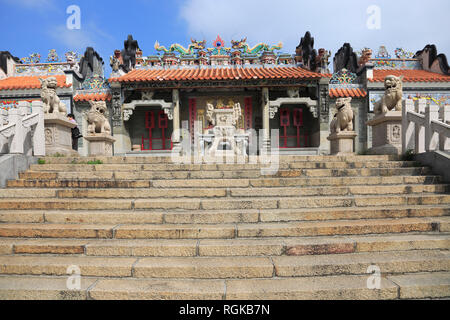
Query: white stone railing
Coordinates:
[22,129]
[425,126]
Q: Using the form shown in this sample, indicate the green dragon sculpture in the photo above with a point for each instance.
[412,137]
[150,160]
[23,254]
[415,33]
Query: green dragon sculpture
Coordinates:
[195,45]
[256,49]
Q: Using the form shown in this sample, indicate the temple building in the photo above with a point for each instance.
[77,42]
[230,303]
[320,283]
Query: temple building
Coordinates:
[151,97]
[154,95]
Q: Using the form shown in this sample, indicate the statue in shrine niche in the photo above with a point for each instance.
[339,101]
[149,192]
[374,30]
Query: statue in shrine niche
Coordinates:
[224,121]
[393,95]
[343,119]
[97,120]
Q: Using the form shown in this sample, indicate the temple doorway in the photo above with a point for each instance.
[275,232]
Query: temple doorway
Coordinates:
[298,128]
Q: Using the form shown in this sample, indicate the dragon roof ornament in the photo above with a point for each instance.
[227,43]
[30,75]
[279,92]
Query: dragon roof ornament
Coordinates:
[196,53]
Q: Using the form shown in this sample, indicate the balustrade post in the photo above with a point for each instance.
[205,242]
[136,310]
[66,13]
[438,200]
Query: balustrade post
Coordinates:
[444,114]
[419,129]
[407,126]
[431,139]
[15,116]
[39,131]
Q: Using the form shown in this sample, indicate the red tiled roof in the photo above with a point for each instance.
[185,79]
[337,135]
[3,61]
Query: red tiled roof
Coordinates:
[410,76]
[31,82]
[93,97]
[218,74]
[345,93]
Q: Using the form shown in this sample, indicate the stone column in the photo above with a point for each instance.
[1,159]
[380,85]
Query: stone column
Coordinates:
[123,141]
[266,118]
[176,117]
[324,113]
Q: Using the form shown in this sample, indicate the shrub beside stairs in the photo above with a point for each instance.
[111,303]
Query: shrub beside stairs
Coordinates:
[145,228]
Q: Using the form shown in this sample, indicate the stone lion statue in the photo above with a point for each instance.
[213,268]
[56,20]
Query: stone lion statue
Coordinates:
[96,117]
[392,98]
[343,119]
[51,101]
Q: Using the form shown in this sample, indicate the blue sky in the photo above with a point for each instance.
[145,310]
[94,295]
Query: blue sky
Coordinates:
[40,25]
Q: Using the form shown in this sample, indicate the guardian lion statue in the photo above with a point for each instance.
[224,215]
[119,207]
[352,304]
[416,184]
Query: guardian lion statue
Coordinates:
[51,101]
[392,98]
[343,119]
[96,117]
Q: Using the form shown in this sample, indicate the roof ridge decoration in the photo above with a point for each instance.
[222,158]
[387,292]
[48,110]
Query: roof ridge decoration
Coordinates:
[32,65]
[194,45]
[95,83]
[197,54]
[403,60]
[344,76]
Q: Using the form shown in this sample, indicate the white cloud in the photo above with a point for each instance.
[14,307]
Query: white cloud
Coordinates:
[33,4]
[410,24]
[88,36]
[73,39]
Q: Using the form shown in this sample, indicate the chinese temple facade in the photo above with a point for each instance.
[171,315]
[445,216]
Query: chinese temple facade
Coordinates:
[150,98]
[155,95]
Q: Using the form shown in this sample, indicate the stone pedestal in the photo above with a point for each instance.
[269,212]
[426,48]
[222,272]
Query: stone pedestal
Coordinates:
[342,143]
[58,135]
[100,144]
[386,133]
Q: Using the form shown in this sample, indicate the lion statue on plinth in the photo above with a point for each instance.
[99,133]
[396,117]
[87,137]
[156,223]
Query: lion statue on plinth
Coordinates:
[343,119]
[393,95]
[96,117]
[52,103]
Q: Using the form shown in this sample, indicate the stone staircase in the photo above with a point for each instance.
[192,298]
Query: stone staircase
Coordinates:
[145,228]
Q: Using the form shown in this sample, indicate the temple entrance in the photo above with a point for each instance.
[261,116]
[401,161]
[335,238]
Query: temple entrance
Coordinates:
[156,135]
[297,127]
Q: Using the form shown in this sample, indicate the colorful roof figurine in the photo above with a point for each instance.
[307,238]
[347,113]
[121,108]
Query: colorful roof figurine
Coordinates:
[196,54]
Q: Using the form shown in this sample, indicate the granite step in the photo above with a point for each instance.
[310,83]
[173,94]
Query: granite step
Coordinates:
[394,262]
[236,267]
[348,287]
[224,183]
[220,174]
[219,167]
[219,216]
[220,231]
[168,160]
[423,286]
[122,193]
[300,246]
[222,203]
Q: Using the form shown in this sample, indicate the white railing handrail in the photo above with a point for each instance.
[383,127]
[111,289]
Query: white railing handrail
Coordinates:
[426,126]
[20,122]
